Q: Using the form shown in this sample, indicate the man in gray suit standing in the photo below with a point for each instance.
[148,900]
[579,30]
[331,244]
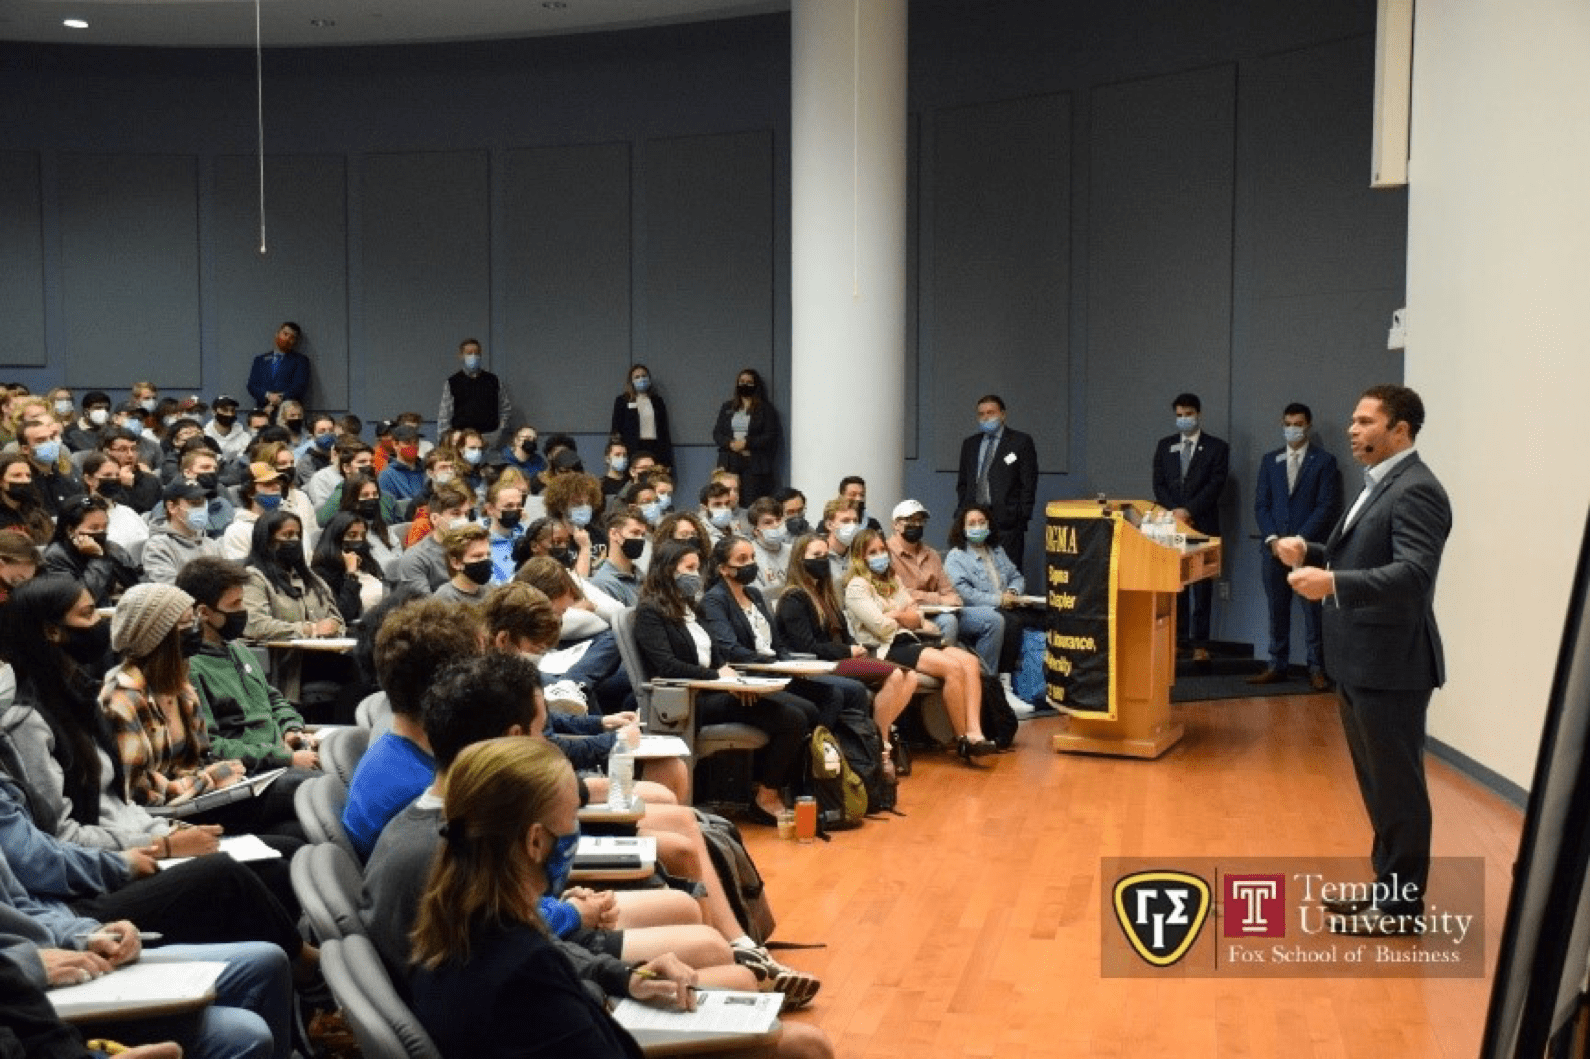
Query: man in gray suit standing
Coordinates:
[1376,577]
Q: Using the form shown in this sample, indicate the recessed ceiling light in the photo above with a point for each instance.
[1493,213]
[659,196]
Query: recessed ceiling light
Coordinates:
[553,5]
[74,23]
[322,23]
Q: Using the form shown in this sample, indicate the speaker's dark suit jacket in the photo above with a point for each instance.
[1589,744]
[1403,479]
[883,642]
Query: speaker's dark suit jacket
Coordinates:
[1380,629]
[1012,479]
[1199,492]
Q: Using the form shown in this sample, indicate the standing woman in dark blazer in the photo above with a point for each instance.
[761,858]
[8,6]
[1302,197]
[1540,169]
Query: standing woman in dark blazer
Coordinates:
[747,435]
[641,418]
[674,644]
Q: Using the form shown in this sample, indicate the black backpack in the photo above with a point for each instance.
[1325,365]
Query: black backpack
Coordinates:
[840,793]
[999,720]
[862,745]
[742,883]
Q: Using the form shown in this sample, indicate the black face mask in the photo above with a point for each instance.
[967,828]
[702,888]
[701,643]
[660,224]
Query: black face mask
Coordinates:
[746,389]
[290,554]
[224,421]
[913,534]
[234,624]
[192,641]
[355,547]
[209,483]
[101,539]
[369,509]
[479,571]
[510,519]
[797,526]
[817,569]
[566,556]
[633,547]
[19,492]
[861,514]
[746,574]
[87,647]
[295,425]
[113,491]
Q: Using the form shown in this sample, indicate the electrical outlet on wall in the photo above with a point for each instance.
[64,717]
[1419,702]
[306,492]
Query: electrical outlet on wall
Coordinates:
[1223,589]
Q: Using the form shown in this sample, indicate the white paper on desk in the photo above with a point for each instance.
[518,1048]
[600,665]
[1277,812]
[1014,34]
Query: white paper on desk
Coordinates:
[1031,601]
[319,643]
[802,667]
[718,1012]
[642,846]
[655,746]
[137,985]
[238,847]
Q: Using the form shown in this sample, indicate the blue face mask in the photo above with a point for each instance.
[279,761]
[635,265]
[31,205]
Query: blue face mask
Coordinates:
[560,860]
[1294,434]
[976,534]
[580,516]
[48,451]
[652,512]
[473,456]
[666,500]
[989,426]
[878,562]
[1186,424]
[689,585]
[620,464]
[198,519]
[642,383]
[721,516]
[472,362]
[323,442]
[268,501]
[775,536]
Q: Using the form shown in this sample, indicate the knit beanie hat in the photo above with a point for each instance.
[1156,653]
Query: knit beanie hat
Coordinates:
[144,616]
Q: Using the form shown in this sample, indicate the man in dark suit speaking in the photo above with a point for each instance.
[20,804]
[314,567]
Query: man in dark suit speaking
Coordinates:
[1376,576]
[1190,469]
[1299,494]
[999,469]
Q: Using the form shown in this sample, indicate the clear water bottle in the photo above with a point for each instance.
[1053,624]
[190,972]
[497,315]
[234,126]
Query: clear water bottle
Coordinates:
[621,776]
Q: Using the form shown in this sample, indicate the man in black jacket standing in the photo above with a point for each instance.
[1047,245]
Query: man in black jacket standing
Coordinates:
[1190,469]
[999,469]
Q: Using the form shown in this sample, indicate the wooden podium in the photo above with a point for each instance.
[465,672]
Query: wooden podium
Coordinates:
[1148,578]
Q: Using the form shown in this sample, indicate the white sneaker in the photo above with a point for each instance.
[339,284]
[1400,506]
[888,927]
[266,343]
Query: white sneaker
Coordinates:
[566,696]
[1021,707]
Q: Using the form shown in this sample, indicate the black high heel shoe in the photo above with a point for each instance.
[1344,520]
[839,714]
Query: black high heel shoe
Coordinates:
[970,751]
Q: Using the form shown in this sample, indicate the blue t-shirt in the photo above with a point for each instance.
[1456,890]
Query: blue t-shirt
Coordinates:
[392,773]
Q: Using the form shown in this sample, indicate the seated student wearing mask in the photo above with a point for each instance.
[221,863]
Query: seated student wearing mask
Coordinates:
[521,453]
[140,488]
[619,575]
[82,549]
[403,477]
[841,523]
[362,496]
[83,434]
[717,511]
[469,559]
[344,561]
[792,505]
[314,452]
[770,541]
[199,465]
[124,527]
[505,523]
[921,571]
[53,474]
[854,487]
[575,499]
[353,458]
[261,493]
[424,565]
[589,669]
[232,439]
[180,538]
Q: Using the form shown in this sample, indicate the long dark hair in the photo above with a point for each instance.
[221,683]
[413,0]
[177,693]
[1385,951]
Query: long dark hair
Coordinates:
[30,513]
[64,694]
[659,585]
[350,502]
[73,512]
[327,560]
[819,590]
[753,402]
[957,537]
[262,554]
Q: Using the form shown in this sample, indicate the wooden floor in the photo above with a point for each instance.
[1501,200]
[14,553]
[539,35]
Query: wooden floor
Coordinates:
[971,926]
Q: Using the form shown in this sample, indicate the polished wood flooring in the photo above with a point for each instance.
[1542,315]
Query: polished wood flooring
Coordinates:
[970,927]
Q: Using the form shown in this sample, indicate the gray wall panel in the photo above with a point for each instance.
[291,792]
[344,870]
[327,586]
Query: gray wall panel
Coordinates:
[21,258]
[565,285]
[1001,271]
[709,271]
[130,269]
[303,277]
[426,252]
[1159,264]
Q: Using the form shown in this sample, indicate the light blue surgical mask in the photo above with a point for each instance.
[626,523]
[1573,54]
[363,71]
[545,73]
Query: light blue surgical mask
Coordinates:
[620,464]
[845,532]
[1294,435]
[472,362]
[878,562]
[473,456]
[989,426]
[976,534]
[560,860]
[1186,424]
[720,516]
[48,451]
[666,500]
[652,512]
[198,519]
[775,536]
[581,515]
[642,383]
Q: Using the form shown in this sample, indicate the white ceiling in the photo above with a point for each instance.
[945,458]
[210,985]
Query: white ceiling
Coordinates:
[291,23]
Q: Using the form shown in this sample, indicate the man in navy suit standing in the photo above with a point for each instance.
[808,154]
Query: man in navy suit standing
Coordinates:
[1190,470]
[1376,574]
[999,469]
[1299,494]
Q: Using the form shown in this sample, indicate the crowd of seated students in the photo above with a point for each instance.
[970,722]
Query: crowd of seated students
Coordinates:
[200,527]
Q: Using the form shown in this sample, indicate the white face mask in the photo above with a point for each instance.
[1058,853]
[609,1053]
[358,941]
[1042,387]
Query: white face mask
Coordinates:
[98,417]
[845,532]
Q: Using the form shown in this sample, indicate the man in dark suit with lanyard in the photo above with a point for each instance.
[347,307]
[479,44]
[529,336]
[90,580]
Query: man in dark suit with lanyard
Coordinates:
[1190,469]
[1299,494]
[999,469]
[1376,575]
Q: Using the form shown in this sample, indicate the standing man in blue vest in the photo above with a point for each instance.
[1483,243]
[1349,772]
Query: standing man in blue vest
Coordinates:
[474,398]
[1299,494]
[282,374]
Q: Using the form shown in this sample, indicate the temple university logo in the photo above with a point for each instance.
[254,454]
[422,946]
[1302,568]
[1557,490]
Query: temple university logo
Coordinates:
[1161,913]
[1254,906]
